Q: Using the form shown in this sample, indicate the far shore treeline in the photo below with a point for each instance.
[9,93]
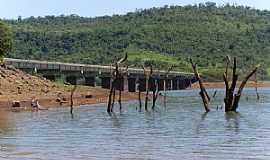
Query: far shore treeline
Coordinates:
[159,36]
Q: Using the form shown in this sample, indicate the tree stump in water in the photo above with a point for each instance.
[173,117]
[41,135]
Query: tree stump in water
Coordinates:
[232,98]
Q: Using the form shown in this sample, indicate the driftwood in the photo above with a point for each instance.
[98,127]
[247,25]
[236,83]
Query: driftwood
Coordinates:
[203,92]
[232,99]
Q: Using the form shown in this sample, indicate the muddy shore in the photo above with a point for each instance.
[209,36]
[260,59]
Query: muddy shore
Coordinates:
[82,96]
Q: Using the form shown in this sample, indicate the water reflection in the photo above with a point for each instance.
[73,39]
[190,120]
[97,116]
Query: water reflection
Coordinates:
[115,121]
[232,121]
[6,123]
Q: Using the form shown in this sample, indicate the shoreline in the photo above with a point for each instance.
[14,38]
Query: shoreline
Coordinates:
[87,96]
[84,96]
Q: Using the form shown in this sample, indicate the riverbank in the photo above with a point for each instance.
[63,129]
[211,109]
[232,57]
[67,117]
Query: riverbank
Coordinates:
[17,86]
[83,96]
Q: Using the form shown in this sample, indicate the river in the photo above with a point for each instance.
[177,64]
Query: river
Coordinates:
[178,130]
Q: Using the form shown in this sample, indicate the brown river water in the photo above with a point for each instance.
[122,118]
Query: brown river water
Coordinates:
[179,130]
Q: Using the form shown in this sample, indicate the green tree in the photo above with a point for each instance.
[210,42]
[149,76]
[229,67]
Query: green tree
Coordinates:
[5,40]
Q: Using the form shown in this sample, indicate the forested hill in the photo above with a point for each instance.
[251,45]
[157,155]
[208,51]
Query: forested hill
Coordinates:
[163,36]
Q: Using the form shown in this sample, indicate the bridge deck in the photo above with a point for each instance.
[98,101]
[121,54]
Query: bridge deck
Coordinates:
[45,65]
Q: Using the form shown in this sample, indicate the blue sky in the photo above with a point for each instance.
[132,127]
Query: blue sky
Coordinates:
[92,8]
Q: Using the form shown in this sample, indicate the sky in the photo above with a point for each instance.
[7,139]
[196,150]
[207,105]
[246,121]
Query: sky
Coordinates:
[11,9]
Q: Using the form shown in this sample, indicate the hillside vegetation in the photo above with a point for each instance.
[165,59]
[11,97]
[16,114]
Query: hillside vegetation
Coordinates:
[163,36]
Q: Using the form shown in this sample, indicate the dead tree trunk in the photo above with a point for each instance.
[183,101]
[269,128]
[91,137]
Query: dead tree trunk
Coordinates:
[109,106]
[71,99]
[116,76]
[140,101]
[113,99]
[138,87]
[147,94]
[256,87]
[203,92]
[120,99]
[155,94]
[231,99]
[148,74]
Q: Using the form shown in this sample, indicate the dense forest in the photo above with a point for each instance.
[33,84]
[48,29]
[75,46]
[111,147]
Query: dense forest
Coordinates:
[161,36]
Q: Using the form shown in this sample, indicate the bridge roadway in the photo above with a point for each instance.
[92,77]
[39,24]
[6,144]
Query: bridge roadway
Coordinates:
[70,72]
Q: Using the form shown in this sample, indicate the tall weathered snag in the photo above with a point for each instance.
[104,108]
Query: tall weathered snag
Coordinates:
[116,76]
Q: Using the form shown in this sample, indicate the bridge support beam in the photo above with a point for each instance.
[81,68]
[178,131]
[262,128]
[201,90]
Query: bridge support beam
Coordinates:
[168,84]
[184,83]
[120,83]
[175,84]
[160,84]
[71,79]
[90,81]
[132,84]
[50,77]
[142,84]
[105,82]
[151,84]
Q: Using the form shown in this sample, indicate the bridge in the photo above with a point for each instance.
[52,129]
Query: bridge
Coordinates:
[101,75]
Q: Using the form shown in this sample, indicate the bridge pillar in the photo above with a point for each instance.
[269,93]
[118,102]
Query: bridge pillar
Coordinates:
[50,77]
[132,84]
[125,83]
[168,84]
[184,83]
[160,83]
[175,84]
[151,84]
[90,81]
[142,84]
[106,82]
[120,83]
[71,79]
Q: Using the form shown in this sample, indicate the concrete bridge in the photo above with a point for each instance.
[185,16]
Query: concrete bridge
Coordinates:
[101,75]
